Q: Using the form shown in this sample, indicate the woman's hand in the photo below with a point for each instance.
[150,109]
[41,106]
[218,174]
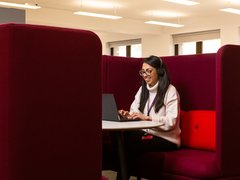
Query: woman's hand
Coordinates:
[124,114]
[141,116]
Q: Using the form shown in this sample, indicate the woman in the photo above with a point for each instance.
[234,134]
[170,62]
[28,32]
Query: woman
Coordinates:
[156,100]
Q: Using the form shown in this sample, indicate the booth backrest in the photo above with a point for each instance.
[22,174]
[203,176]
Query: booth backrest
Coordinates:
[120,76]
[50,86]
[193,75]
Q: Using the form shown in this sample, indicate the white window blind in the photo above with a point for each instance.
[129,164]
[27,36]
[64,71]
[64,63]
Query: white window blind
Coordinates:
[196,36]
[124,43]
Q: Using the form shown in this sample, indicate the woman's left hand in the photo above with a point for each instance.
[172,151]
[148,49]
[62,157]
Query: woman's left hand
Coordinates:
[136,115]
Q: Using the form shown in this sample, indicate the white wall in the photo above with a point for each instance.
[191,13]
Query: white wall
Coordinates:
[162,45]
[111,37]
[230,30]
[157,45]
[156,40]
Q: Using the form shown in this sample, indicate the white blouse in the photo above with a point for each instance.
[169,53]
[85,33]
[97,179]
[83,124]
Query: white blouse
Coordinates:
[169,114]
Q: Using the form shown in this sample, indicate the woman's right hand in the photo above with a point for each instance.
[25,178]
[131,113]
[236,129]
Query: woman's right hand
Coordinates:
[124,114]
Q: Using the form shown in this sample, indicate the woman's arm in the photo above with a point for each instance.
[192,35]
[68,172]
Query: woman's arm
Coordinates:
[172,109]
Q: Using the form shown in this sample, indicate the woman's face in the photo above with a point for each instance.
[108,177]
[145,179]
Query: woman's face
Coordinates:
[149,74]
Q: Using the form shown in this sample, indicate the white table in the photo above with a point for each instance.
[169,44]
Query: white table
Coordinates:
[119,127]
[113,125]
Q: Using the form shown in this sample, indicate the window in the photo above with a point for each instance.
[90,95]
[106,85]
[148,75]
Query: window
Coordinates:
[136,50]
[127,48]
[211,46]
[188,48]
[197,42]
[121,51]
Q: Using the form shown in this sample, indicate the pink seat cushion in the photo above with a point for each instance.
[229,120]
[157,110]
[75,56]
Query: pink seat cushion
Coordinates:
[199,129]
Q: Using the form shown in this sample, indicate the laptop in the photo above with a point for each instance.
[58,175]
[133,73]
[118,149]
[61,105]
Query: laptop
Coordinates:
[110,111]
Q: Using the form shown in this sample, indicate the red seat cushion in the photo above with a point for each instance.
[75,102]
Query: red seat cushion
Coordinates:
[104,178]
[182,164]
[199,129]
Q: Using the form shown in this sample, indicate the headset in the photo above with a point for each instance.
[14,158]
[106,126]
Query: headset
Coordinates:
[160,70]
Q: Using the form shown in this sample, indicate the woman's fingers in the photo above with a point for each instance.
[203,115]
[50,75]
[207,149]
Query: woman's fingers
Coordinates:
[136,115]
[125,113]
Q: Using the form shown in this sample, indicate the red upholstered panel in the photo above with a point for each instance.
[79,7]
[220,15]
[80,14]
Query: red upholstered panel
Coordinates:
[194,76]
[104,73]
[199,129]
[227,107]
[122,79]
[50,103]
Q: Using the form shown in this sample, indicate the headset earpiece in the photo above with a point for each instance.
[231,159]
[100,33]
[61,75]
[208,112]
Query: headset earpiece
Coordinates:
[161,69]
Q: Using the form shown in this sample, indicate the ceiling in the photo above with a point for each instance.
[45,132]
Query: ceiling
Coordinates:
[140,10]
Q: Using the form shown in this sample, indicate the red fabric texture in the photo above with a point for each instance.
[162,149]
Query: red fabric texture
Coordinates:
[185,162]
[191,74]
[104,178]
[199,129]
[121,78]
[227,108]
[50,87]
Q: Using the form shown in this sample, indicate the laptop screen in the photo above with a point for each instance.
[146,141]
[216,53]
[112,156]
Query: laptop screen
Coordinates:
[110,111]
[109,108]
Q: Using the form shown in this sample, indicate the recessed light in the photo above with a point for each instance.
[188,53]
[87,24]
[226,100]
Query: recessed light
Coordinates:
[164,23]
[184,2]
[157,13]
[231,10]
[97,15]
[21,6]
[101,4]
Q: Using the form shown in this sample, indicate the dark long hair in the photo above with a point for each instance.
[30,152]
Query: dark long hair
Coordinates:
[163,83]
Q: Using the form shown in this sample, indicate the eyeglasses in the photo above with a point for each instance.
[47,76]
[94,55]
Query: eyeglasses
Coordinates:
[147,72]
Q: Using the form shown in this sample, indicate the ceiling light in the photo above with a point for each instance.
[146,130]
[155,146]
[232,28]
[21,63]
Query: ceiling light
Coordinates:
[164,23]
[97,4]
[97,15]
[231,10]
[184,2]
[156,13]
[21,6]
